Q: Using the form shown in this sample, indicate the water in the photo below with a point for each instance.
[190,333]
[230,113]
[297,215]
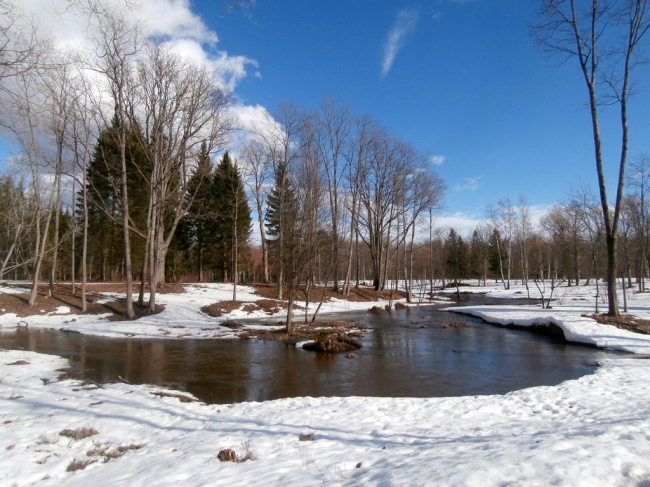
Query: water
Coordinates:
[408,353]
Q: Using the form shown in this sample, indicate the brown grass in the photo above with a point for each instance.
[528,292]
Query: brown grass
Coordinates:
[625,322]
[79,464]
[307,437]
[79,433]
[108,451]
[268,306]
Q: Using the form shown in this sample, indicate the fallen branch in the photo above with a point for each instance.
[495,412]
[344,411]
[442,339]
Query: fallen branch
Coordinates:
[180,397]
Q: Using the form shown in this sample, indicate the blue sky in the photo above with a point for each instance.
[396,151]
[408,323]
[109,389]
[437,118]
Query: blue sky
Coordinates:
[462,80]
[466,82]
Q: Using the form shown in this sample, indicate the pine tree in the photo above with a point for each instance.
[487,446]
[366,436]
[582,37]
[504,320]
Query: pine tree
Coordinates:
[192,234]
[281,214]
[104,193]
[478,257]
[456,255]
[233,222]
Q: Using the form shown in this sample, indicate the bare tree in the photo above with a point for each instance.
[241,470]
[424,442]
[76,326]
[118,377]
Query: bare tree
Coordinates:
[117,41]
[524,230]
[84,128]
[257,171]
[357,154]
[280,136]
[58,104]
[332,126]
[21,48]
[181,108]
[603,37]
[425,195]
[25,119]
[640,180]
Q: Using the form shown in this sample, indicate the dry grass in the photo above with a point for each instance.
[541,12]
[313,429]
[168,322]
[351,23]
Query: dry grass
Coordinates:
[268,306]
[108,451]
[307,437]
[451,322]
[79,433]
[229,455]
[79,464]
[625,322]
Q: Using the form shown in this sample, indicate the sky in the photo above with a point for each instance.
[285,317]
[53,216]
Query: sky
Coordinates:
[462,80]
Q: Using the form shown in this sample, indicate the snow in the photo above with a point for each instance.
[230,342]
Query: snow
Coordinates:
[587,432]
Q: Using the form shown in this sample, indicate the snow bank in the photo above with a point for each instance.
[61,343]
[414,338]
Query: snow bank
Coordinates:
[568,308]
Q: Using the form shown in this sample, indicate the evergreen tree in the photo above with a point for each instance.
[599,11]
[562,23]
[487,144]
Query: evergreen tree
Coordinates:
[498,258]
[281,215]
[478,257]
[232,225]
[104,193]
[192,234]
[456,256]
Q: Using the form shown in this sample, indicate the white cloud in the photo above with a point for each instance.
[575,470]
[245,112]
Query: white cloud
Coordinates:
[174,18]
[437,160]
[465,223]
[404,25]
[462,223]
[170,21]
[469,184]
[229,70]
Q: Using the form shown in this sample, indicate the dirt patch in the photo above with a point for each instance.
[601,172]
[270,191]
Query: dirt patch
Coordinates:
[63,295]
[223,307]
[625,322]
[268,306]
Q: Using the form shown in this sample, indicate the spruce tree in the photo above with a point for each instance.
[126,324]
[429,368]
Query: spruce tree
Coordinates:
[281,215]
[233,219]
[192,234]
[104,193]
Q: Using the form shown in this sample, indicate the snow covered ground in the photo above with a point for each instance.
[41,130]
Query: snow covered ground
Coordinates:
[182,317]
[567,310]
[590,431]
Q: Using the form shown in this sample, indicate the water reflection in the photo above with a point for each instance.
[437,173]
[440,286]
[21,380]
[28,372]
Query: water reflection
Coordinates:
[407,354]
